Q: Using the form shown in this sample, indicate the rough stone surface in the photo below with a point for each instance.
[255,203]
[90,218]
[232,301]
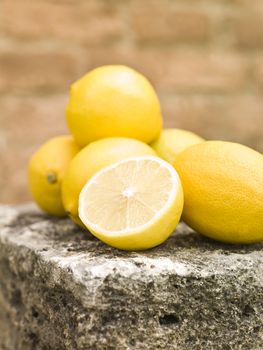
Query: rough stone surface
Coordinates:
[60,288]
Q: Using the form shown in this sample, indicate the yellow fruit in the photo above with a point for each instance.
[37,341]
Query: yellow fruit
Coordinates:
[133,204]
[113,101]
[223,187]
[46,171]
[173,141]
[92,158]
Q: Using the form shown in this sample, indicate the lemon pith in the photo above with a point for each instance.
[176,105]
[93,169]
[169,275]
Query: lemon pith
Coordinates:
[133,204]
[113,101]
[92,158]
[223,190]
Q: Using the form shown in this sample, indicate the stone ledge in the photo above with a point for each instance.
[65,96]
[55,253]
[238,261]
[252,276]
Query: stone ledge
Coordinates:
[60,288]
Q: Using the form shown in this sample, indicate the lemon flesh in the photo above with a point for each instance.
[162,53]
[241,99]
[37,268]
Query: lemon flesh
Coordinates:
[223,188]
[173,141]
[46,170]
[92,158]
[113,101]
[133,204]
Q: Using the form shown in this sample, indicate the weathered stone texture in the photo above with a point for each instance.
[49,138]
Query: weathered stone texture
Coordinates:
[60,288]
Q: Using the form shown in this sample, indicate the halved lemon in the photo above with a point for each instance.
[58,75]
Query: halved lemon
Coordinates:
[133,204]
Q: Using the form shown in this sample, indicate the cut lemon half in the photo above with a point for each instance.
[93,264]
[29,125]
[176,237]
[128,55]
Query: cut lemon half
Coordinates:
[133,204]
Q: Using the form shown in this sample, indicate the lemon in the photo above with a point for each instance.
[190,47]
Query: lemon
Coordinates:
[92,158]
[133,204]
[173,141]
[113,101]
[223,187]
[46,170]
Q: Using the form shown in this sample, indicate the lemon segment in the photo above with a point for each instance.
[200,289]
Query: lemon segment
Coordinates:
[92,158]
[133,204]
[173,141]
[46,171]
[113,101]
[223,188]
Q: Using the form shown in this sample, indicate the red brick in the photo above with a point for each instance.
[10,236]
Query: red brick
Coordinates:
[258,70]
[238,119]
[92,22]
[249,30]
[247,6]
[26,122]
[181,72]
[162,23]
[203,72]
[26,71]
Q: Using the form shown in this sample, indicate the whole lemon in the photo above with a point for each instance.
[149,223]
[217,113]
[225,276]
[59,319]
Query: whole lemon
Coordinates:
[92,158]
[46,171]
[223,188]
[113,101]
[173,141]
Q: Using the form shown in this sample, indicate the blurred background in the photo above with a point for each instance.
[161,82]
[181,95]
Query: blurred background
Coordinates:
[205,58]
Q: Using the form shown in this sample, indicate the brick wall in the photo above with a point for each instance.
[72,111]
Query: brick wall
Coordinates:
[204,57]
